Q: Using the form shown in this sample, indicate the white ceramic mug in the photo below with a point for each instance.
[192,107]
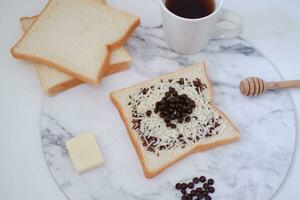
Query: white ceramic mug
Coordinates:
[188,36]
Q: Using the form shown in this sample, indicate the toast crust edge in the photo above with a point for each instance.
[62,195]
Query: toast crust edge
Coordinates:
[103,65]
[197,148]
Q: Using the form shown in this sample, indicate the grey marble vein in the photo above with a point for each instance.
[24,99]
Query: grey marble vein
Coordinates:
[251,169]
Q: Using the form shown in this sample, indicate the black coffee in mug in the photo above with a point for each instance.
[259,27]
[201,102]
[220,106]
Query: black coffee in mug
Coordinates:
[191,9]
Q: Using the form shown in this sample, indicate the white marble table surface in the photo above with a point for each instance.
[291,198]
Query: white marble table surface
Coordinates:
[272,28]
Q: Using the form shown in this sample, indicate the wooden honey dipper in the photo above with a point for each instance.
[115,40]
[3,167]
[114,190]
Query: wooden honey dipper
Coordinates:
[253,86]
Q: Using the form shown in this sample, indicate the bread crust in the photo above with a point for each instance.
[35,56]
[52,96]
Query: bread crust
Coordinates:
[74,81]
[197,148]
[103,65]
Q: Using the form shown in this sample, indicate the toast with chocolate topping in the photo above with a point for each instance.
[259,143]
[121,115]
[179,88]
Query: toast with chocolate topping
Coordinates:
[172,116]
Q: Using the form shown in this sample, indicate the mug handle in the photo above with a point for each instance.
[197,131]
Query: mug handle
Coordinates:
[231,18]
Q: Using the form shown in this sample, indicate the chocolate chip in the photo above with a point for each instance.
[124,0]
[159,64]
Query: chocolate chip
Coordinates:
[191,185]
[157,104]
[171,89]
[148,113]
[183,114]
[189,197]
[205,192]
[172,99]
[172,116]
[207,198]
[183,191]
[161,107]
[167,120]
[210,181]
[205,185]
[178,186]
[200,196]
[199,190]
[180,120]
[173,126]
[175,93]
[202,179]
[193,193]
[189,111]
[196,180]
[172,105]
[184,186]
[166,113]
[184,197]
[167,94]
[162,115]
[155,110]
[211,189]
[188,119]
[193,104]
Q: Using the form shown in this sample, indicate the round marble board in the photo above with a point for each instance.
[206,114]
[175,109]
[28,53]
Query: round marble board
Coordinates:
[252,168]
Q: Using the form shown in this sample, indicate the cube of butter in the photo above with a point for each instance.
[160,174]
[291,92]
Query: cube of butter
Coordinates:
[84,152]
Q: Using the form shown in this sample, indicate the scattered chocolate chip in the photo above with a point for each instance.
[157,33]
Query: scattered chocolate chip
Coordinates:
[178,186]
[155,110]
[210,181]
[148,113]
[202,179]
[183,191]
[200,196]
[205,192]
[183,185]
[211,189]
[207,198]
[191,185]
[205,185]
[189,197]
[184,197]
[196,180]
[193,192]
[199,190]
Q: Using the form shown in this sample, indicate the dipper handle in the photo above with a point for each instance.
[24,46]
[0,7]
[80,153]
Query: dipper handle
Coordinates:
[254,86]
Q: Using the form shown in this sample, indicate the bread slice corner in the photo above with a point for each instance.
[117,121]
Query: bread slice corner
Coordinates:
[153,165]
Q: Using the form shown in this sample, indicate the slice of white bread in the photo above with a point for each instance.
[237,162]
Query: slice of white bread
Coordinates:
[172,145]
[54,81]
[75,37]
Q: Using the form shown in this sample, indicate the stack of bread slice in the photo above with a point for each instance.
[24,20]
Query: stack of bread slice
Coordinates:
[75,41]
